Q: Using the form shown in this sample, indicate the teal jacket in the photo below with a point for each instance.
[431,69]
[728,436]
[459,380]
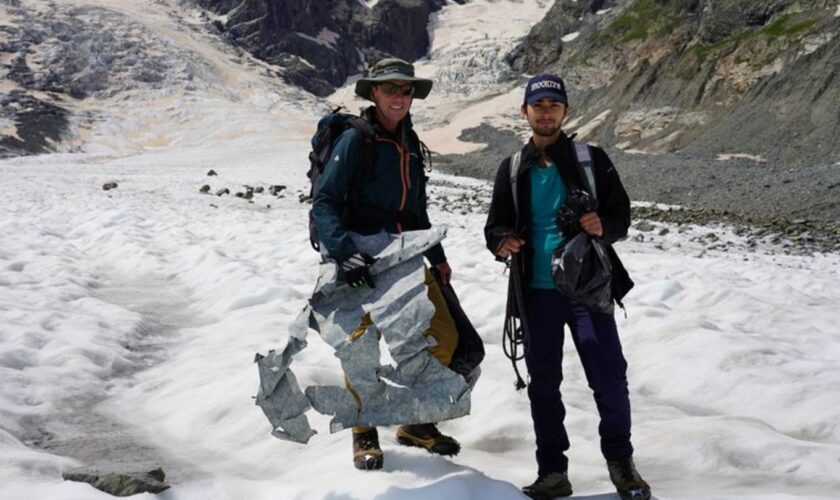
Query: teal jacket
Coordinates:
[390,195]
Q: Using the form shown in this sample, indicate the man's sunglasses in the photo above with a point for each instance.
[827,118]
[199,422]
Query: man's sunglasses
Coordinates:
[394,89]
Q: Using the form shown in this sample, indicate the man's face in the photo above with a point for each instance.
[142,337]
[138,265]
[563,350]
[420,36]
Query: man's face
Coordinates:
[545,116]
[393,98]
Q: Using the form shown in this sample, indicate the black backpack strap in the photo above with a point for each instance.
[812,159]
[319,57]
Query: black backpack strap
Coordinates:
[366,136]
[364,164]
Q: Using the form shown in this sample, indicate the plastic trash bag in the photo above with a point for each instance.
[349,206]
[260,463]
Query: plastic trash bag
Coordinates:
[582,271]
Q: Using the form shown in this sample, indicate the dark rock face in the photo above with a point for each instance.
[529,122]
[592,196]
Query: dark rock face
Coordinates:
[318,45]
[718,76]
[38,125]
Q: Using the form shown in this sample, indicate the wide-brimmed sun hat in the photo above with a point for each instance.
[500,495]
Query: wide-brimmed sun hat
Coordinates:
[392,69]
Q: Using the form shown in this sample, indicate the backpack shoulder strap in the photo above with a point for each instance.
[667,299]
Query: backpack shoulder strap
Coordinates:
[584,162]
[515,163]
[364,159]
[366,137]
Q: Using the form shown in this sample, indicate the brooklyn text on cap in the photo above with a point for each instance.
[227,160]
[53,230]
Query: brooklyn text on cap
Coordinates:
[544,86]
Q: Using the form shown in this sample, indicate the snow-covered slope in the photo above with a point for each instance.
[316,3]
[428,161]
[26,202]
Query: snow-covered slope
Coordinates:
[129,319]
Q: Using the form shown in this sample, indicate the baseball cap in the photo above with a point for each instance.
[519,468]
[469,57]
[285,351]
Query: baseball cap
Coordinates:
[545,85]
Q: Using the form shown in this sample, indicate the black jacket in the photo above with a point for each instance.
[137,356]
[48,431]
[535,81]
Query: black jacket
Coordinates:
[613,208]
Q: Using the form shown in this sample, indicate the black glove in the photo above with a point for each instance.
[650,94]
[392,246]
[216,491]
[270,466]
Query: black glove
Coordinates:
[356,270]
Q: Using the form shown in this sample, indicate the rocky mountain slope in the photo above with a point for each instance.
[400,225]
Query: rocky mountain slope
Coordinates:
[120,76]
[317,45]
[750,77]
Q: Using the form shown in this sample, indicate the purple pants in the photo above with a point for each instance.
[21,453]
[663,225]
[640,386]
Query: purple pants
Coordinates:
[596,339]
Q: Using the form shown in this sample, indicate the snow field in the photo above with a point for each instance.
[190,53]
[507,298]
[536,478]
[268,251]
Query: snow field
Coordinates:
[731,360]
[148,303]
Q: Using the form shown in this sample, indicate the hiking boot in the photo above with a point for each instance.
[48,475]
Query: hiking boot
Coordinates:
[429,437]
[549,485]
[628,483]
[367,455]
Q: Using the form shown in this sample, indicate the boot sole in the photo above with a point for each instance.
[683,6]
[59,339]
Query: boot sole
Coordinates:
[547,496]
[443,449]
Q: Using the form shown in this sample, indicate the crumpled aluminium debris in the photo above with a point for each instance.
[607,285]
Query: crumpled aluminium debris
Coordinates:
[417,389]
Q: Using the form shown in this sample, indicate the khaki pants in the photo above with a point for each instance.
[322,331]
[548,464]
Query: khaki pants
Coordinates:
[441,327]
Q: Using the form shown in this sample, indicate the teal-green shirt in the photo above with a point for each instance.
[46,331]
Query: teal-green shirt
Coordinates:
[548,193]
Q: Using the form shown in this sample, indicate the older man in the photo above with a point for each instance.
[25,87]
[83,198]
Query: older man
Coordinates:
[389,195]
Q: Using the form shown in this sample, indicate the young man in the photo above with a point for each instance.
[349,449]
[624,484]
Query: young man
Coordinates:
[526,228]
[389,196]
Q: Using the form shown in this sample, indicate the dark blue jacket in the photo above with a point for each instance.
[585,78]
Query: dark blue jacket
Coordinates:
[390,195]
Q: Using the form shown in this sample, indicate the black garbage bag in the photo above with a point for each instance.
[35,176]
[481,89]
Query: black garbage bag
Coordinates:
[470,350]
[582,271]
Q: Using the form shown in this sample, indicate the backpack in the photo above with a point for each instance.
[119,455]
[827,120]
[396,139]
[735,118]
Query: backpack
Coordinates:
[330,128]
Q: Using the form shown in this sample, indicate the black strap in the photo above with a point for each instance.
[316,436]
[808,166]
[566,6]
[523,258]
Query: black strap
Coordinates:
[364,164]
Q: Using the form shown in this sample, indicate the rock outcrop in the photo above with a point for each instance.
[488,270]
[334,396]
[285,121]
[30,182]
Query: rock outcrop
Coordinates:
[121,484]
[317,45]
[712,76]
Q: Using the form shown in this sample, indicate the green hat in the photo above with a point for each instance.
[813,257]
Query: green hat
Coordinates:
[392,69]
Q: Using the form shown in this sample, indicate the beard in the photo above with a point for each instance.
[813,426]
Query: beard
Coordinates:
[546,130]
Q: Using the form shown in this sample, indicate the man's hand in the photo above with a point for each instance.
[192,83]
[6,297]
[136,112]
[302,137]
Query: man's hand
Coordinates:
[445,272]
[356,270]
[591,224]
[509,246]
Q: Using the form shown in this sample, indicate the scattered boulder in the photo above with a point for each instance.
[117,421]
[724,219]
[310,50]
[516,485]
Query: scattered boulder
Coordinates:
[211,173]
[119,483]
[276,189]
[205,188]
[645,226]
[259,189]
[109,185]
[222,191]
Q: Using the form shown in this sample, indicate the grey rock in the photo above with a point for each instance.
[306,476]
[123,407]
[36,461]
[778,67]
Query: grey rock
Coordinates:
[222,191]
[205,189]
[109,185]
[644,226]
[211,173]
[121,484]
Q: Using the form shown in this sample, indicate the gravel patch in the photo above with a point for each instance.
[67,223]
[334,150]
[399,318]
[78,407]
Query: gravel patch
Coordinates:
[795,208]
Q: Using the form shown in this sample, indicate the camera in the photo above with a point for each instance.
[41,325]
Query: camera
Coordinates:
[578,202]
